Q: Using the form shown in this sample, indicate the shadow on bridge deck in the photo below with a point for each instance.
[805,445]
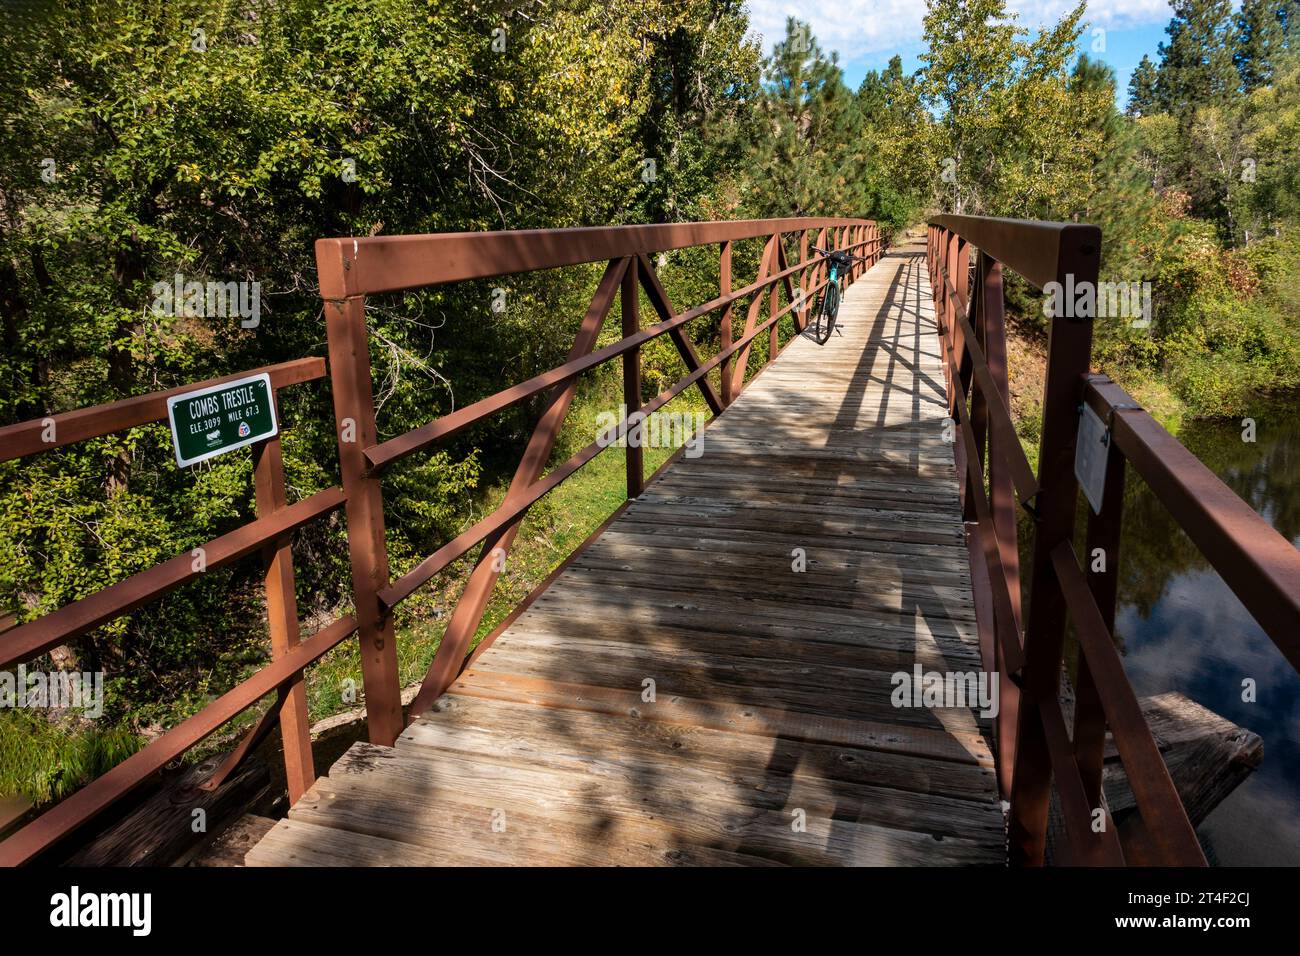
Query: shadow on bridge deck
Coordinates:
[771,737]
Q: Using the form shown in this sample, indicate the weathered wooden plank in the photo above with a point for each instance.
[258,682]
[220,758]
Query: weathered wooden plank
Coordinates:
[907,620]
[952,603]
[577,633]
[718,503]
[296,843]
[741,541]
[817,493]
[898,635]
[162,828]
[689,814]
[803,688]
[829,566]
[744,551]
[670,786]
[960,745]
[474,725]
[1207,755]
[467,826]
[805,536]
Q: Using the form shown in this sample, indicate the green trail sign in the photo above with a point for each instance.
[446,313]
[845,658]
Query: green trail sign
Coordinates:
[215,420]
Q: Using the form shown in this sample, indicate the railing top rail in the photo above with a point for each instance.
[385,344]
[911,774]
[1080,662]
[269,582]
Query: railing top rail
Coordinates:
[1042,252]
[1260,566]
[363,266]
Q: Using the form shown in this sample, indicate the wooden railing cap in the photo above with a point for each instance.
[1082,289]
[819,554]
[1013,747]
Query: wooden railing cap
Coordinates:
[361,266]
[1042,252]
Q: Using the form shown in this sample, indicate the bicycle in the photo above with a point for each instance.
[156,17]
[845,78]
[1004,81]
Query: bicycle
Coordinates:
[822,323]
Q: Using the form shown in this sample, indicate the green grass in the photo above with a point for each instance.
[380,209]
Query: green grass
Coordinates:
[45,760]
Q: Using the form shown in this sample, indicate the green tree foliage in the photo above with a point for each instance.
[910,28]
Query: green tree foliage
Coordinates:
[1219,160]
[894,122]
[802,131]
[1262,27]
[703,75]
[1196,65]
[1143,92]
[1005,104]
[1275,137]
[219,141]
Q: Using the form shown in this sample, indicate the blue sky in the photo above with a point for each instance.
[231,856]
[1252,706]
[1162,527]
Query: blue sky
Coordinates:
[866,33]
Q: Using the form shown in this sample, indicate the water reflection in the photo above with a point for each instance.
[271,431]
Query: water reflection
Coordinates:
[1181,629]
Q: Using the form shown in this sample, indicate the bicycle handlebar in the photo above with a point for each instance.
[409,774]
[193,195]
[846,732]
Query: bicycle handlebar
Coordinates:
[828,254]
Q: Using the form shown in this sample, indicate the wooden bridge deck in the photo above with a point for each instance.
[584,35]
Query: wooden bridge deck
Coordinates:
[772,688]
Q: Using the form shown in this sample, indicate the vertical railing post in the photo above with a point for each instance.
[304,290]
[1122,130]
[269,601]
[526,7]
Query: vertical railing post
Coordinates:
[819,270]
[1069,351]
[929,254]
[772,303]
[933,256]
[978,400]
[354,412]
[1002,504]
[959,276]
[800,320]
[282,618]
[724,324]
[944,253]
[766,266]
[1101,567]
[941,287]
[632,380]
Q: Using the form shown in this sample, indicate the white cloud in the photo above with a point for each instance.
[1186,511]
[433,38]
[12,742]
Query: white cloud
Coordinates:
[853,27]
[859,27]
[1114,14]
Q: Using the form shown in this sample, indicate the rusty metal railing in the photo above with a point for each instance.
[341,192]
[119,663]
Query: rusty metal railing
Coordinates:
[351,269]
[1036,750]
[270,534]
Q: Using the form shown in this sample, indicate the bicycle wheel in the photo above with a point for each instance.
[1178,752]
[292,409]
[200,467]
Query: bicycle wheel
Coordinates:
[833,309]
[824,323]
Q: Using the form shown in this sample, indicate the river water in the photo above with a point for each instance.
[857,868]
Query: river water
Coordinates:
[1181,629]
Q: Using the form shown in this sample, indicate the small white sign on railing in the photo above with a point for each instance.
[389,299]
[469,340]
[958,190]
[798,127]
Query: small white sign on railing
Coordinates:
[1090,452]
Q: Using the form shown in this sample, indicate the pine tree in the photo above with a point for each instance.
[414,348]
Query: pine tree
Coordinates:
[1142,89]
[805,121]
[1261,26]
[1196,66]
[878,93]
